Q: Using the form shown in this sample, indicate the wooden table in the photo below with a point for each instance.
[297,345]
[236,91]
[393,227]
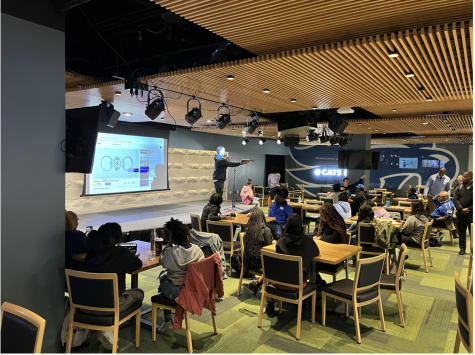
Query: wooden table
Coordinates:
[242,219]
[149,261]
[307,206]
[329,254]
[355,218]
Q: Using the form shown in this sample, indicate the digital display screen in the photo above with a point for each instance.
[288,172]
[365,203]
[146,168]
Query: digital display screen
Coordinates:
[430,163]
[408,163]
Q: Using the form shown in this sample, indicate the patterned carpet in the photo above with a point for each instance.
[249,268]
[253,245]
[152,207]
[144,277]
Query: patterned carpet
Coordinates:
[430,317]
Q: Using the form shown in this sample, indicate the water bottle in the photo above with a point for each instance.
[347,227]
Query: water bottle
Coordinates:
[300,200]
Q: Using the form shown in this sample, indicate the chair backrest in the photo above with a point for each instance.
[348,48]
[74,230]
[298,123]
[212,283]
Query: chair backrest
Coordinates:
[464,302]
[282,269]
[427,232]
[206,249]
[93,291]
[223,229]
[326,199]
[402,257]
[258,190]
[298,210]
[22,330]
[365,234]
[384,190]
[404,203]
[284,185]
[195,222]
[368,272]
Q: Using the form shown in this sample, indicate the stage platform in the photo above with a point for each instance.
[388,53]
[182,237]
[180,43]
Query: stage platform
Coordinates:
[137,218]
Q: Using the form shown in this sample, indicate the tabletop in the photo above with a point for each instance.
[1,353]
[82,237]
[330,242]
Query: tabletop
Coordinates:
[242,219]
[406,209]
[329,253]
[149,260]
[307,206]
[355,218]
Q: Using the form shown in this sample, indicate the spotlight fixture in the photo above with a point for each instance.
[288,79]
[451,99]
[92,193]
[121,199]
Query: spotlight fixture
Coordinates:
[156,107]
[324,138]
[394,110]
[254,124]
[194,114]
[230,77]
[245,141]
[368,127]
[334,140]
[343,141]
[293,100]
[118,93]
[311,136]
[266,91]
[314,108]
[127,113]
[393,54]
[262,141]
[429,99]
[225,118]
[409,74]
[278,141]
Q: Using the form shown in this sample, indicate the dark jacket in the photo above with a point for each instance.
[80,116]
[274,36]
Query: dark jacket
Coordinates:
[299,245]
[113,259]
[252,257]
[75,243]
[352,187]
[210,212]
[220,166]
[330,235]
[463,198]
[358,201]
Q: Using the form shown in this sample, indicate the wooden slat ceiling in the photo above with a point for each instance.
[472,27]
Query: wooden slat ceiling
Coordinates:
[265,27]
[466,139]
[74,80]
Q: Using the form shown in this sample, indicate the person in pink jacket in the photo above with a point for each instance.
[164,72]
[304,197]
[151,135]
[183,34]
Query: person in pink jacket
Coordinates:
[247,196]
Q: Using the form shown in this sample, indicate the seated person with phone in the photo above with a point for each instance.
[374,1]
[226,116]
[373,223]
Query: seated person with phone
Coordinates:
[212,211]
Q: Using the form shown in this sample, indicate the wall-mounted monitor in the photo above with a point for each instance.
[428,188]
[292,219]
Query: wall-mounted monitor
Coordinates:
[433,163]
[408,163]
[354,159]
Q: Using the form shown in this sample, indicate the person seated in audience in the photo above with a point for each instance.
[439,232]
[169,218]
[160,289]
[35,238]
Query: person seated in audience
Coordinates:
[412,228]
[343,207]
[332,226]
[444,213]
[335,193]
[175,258]
[379,212]
[280,210]
[247,196]
[359,199]
[105,256]
[212,211]
[411,194]
[293,242]
[365,215]
[75,242]
[257,236]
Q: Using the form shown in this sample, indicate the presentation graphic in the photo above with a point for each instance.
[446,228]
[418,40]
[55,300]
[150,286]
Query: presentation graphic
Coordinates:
[124,163]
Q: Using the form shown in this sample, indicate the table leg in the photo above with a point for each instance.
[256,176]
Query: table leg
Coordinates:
[313,272]
[134,282]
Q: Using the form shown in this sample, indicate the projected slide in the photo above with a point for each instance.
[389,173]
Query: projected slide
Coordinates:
[124,163]
[408,163]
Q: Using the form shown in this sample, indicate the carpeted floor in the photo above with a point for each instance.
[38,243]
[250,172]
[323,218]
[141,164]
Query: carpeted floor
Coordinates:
[430,317]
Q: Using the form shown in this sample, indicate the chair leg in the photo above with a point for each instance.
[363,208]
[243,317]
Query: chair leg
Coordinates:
[457,343]
[387,262]
[347,313]
[70,338]
[357,323]
[137,330]
[188,332]
[359,311]
[381,314]
[154,322]
[240,280]
[324,307]
[261,309]
[430,256]
[280,307]
[451,237]
[399,306]
[314,301]
[213,317]
[299,319]
[115,339]
[346,268]
[425,261]
[470,266]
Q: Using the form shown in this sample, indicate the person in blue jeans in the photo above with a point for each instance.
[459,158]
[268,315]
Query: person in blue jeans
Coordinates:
[281,211]
[175,258]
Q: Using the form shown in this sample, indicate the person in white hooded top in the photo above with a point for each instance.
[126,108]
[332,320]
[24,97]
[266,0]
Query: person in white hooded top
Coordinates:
[343,206]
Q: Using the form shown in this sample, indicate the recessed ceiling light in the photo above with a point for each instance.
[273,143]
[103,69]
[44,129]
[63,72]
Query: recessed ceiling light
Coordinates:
[118,93]
[127,113]
[266,91]
[314,108]
[429,99]
[368,127]
[232,129]
[394,110]
[209,121]
[393,54]
[425,122]
[230,77]
[359,124]
[293,100]
[409,74]
[376,130]
[446,140]
[243,132]
[384,132]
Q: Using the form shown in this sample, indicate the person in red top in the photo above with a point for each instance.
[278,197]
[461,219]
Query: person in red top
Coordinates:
[247,196]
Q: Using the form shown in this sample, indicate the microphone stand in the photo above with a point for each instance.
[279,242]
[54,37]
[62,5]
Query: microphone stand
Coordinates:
[234,208]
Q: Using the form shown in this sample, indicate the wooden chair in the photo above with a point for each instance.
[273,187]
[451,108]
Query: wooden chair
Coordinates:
[404,203]
[470,262]
[334,270]
[380,190]
[296,193]
[98,292]
[257,272]
[366,237]
[464,301]
[300,211]
[285,270]
[195,222]
[226,233]
[22,330]
[365,289]
[260,191]
[326,199]
[393,283]
[424,245]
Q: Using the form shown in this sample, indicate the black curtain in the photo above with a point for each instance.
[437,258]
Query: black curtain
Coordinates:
[279,162]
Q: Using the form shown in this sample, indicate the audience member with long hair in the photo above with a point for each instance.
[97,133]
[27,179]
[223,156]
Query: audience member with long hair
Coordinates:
[75,242]
[412,228]
[365,215]
[105,256]
[332,226]
[212,211]
[257,236]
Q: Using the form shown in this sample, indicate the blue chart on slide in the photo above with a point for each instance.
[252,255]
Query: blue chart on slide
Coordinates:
[124,163]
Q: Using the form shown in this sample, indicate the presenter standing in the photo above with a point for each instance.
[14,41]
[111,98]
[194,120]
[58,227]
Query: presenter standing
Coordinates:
[434,186]
[220,165]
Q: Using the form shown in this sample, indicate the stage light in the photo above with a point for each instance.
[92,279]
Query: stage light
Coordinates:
[266,91]
[262,141]
[230,77]
[409,74]
[343,141]
[293,100]
[311,136]
[194,114]
[334,140]
[393,54]
[278,141]
[156,107]
[324,138]
[245,141]
[429,99]
[225,118]
[118,93]
[252,126]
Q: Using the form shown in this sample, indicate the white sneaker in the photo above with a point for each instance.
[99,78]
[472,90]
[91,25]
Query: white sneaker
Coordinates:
[165,327]
[106,339]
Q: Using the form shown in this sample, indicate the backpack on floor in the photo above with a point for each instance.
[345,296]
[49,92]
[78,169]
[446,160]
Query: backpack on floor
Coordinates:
[80,335]
[435,242]
[236,261]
